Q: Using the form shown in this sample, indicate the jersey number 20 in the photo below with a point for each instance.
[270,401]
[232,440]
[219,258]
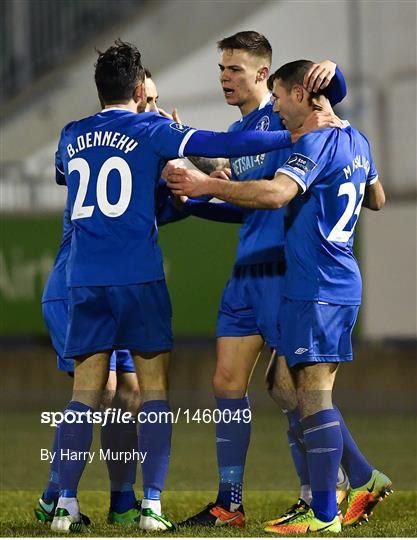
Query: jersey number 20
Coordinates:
[338,233]
[110,210]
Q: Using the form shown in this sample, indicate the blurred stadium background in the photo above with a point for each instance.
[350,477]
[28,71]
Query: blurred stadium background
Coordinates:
[47,80]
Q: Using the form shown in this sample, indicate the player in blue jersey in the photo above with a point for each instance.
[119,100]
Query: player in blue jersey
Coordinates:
[111,163]
[249,307]
[330,174]
[122,389]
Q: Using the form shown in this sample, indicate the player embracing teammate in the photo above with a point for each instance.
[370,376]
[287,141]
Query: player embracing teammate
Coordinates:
[328,176]
[111,163]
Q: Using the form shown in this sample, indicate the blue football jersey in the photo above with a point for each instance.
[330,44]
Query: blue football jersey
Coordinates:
[56,285]
[333,167]
[111,162]
[261,236]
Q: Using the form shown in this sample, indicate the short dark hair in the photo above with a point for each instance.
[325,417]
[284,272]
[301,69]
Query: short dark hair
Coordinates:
[250,41]
[291,73]
[118,71]
[148,74]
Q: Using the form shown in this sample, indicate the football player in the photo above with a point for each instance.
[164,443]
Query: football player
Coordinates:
[248,314]
[330,174]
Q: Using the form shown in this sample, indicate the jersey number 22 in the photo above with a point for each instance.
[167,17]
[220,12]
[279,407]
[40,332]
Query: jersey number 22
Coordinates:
[338,233]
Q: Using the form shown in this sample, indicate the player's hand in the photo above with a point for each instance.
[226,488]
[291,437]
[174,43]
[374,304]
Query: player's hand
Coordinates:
[164,113]
[318,119]
[171,165]
[319,76]
[224,174]
[189,182]
[174,116]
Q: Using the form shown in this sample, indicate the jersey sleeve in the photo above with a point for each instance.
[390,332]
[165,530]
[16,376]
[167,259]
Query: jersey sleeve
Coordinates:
[59,169]
[215,211]
[310,156]
[169,138]
[372,174]
[337,89]
[166,211]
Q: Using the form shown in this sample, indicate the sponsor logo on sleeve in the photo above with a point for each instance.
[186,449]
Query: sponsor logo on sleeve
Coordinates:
[300,163]
[179,127]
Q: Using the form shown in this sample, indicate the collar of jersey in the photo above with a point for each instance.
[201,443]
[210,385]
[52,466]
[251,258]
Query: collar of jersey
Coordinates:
[264,103]
[266,100]
[115,109]
[345,124]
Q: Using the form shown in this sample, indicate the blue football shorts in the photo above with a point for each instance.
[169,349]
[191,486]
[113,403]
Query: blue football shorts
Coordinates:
[251,301]
[55,315]
[314,331]
[134,317]
[122,361]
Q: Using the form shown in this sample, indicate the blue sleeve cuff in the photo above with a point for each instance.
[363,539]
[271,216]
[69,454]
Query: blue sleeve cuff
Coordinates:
[337,89]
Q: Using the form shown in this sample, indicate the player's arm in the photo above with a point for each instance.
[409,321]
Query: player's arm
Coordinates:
[264,194]
[249,143]
[169,208]
[222,212]
[171,211]
[209,165]
[310,155]
[173,140]
[374,198]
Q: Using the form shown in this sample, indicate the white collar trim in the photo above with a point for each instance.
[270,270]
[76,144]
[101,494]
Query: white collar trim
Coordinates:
[263,104]
[265,101]
[115,109]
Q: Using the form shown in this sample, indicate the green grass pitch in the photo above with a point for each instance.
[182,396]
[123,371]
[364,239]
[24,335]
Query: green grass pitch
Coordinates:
[270,481]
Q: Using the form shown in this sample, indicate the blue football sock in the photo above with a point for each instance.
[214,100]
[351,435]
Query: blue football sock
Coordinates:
[73,437]
[324,444]
[117,439]
[51,492]
[297,448]
[357,468]
[232,440]
[155,440]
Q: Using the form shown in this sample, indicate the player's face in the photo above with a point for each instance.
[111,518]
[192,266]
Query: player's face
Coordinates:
[150,103]
[241,75]
[151,95]
[288,105]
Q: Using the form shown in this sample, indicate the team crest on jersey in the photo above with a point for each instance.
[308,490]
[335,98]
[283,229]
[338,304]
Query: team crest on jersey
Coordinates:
[178,127]
[301,163]
[263,124]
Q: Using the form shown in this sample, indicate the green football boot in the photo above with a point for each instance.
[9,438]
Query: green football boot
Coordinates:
[150,521]
[63,522]
[45,512]
[125,518]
